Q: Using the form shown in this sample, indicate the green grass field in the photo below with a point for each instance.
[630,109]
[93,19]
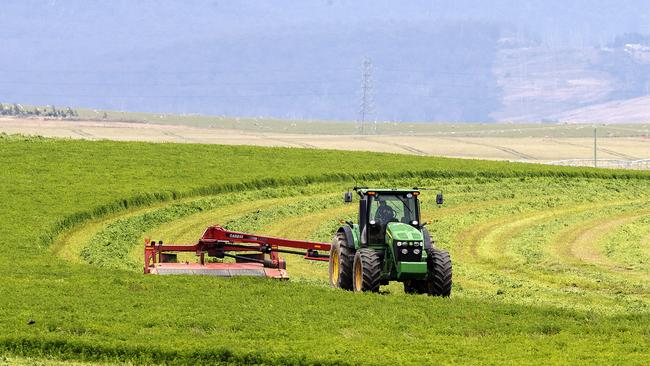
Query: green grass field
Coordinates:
[551,264]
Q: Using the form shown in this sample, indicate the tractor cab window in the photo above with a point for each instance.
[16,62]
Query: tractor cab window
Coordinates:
[393,208]
[387,208]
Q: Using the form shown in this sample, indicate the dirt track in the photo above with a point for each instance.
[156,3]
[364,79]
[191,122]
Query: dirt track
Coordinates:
[497,148]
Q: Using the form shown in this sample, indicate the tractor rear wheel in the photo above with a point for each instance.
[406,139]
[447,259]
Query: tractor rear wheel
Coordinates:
[439,276]
[341,261]
[367,270]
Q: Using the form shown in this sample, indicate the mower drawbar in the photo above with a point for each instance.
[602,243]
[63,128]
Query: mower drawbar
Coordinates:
[253,255]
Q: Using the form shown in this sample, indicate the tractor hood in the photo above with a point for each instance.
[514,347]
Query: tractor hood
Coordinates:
[402,232]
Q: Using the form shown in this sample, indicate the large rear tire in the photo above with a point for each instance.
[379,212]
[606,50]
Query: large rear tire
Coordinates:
[440,273]
[341,261]
[367,271]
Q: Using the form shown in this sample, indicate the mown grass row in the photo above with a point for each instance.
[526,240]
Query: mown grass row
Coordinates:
[629,245]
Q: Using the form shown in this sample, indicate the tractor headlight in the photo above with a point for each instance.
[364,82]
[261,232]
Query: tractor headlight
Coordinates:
[405,251]
[410,244]
[417,243]
[399,243]
[416,251]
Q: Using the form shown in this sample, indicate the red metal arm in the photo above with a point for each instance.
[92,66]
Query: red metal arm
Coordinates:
[216,241]
[218,233]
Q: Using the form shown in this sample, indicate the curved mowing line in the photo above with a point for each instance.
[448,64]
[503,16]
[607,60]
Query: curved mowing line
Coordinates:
[532,284]
[494,233]
[502,228]
[495,243]
[584,247]
[576,247]
[569,271]
[471,237]
[629,245]
[491,248]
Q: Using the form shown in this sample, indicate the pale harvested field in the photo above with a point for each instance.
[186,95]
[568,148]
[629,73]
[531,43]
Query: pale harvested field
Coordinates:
[496,148]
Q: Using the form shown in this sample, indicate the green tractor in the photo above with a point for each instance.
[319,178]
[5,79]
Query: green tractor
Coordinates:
[389,243]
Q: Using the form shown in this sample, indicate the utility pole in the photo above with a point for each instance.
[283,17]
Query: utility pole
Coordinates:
[366,107]
[595,147]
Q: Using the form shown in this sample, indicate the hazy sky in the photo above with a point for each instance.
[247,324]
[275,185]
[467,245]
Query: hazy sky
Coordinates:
[102,53]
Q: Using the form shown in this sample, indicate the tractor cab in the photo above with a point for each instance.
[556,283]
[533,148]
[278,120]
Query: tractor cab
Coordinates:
[380,208]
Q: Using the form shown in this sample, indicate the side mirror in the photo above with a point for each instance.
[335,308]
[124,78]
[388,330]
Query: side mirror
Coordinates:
[347,197]
[439,198]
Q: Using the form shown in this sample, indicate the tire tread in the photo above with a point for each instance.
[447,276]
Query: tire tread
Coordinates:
[440,272]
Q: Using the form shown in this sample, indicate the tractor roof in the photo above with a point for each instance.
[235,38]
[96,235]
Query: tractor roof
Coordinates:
[364,190]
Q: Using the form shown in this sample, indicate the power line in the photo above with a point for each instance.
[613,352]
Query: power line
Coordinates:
[444,85]
[186,96]
[256,83]
[171,72]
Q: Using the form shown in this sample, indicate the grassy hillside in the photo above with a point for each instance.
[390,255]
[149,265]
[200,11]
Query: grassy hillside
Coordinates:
[538,274]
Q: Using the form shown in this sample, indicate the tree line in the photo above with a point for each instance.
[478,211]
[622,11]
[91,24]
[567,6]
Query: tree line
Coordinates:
[18,110]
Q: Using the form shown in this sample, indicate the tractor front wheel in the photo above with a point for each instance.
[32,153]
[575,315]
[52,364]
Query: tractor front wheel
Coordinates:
[439,276]
[340,266]
[367,270]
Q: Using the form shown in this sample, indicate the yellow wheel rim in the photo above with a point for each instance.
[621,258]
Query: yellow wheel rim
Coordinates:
[358,276]
[335,268]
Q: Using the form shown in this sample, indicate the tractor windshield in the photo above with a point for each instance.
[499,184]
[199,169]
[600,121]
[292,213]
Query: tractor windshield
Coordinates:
[387,208]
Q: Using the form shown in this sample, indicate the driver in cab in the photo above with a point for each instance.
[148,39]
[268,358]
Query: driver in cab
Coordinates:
[384,214]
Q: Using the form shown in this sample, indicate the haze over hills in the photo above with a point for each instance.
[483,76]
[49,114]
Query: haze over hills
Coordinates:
[432,61]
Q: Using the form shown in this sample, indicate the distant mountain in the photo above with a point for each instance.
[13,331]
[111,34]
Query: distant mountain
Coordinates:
[542,84]
[431,60]
[635,110]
